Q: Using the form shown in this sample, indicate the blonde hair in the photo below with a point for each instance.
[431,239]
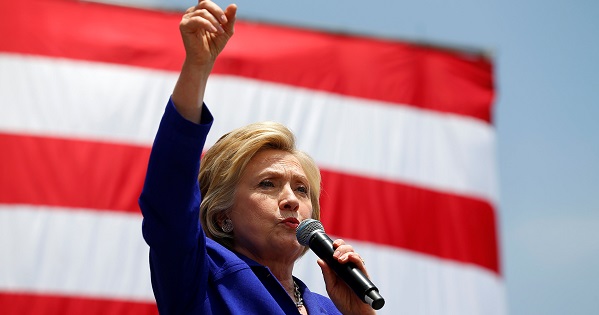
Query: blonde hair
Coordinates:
[223,164]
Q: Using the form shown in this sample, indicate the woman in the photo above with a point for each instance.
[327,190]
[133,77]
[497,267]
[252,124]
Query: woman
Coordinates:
[255,189]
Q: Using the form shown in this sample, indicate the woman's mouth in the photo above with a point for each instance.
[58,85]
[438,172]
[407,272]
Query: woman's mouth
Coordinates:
[291,222]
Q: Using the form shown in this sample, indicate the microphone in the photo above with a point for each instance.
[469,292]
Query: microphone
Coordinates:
[311,233]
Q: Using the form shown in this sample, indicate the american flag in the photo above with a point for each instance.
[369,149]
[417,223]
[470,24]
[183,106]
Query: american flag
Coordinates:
[403,134]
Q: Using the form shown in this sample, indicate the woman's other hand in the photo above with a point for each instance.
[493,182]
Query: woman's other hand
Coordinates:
[342,295]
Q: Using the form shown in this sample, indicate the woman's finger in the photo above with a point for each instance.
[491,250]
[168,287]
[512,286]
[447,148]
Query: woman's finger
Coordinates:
[341,248]
[204,18]
[345,253]
[230,17]
[214,10]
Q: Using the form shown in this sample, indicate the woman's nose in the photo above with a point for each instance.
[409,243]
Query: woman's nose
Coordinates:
[288,200]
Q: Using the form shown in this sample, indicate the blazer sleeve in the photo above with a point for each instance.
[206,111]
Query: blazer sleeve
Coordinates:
[170,203]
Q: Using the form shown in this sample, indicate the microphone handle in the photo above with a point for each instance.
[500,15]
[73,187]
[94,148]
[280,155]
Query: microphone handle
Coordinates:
[322,245]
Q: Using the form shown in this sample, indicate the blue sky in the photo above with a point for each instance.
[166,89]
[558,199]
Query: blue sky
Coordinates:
[547,77]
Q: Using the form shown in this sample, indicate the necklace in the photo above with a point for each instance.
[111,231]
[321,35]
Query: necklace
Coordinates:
[299,301]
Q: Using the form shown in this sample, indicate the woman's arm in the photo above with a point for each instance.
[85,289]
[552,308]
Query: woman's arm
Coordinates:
[205,30]
[171,187]
[170,198]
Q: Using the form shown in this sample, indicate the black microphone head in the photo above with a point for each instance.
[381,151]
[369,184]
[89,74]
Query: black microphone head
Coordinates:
[305,230]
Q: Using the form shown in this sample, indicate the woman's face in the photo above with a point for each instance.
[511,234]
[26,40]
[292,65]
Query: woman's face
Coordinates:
[271,198]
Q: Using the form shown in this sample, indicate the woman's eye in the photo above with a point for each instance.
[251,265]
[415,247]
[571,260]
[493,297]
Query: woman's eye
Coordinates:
[303,189]
[266,183]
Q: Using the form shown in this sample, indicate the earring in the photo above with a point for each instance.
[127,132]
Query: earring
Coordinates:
[227,226]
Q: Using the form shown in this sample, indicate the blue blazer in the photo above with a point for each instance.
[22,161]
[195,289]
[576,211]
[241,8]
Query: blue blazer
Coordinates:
[192,274]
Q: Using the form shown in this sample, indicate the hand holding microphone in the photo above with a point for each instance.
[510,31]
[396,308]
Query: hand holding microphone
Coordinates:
[311,233]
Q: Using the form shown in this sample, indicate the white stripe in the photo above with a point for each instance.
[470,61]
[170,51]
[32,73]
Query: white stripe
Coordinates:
[91,100]
[365,137]
[402,144]
[102,254]
[73,252]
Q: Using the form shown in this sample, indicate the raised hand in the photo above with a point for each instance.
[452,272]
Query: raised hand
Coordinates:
[205,30]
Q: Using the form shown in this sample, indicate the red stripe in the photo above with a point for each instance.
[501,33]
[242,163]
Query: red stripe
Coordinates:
[91,31]
[72,173]
[27,303]
[439,224]
[395,72]
[104,176]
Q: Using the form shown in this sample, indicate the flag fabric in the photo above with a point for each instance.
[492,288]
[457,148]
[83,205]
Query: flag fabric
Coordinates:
[403,134]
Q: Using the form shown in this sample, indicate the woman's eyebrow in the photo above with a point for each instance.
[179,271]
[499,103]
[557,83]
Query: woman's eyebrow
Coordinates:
[279,173]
